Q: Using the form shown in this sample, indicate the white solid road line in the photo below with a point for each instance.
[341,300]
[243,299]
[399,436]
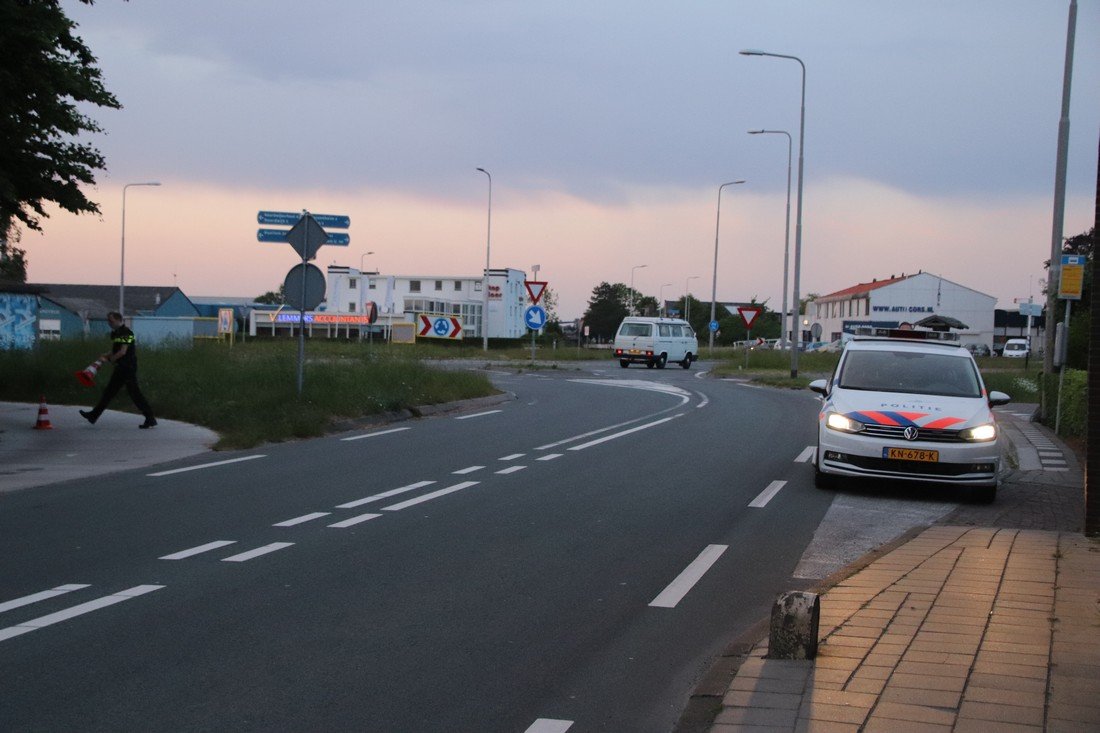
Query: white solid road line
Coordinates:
[478,414]
[807,454]
[244,556]
[430,496]
[549,725]
[301,519]
[36,597]
[198,550]
[685,581]
[375,434]
[767,494]
[468,469]
[703,400]
[354,520]
[73,612]
[385,495]
[206,465]
[613,436]
[511,469]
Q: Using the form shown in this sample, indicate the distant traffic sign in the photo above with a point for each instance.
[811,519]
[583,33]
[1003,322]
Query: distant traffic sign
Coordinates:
[338,239]
[1031,309]
[1071,283]
[713,326]
[313,288]
[289,219]
[535,288]
[534,317]
[440,327]
[748,314]
[306,237]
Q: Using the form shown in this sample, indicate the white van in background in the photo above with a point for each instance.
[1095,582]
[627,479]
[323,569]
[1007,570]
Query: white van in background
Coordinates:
[655,342]
[1017,348]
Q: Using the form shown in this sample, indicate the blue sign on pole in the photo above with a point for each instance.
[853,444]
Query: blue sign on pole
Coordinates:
[289,219]
[535,317]
[714,325]
[338,239]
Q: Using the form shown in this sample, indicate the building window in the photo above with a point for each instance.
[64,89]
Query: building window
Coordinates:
[477,286]
[351,307]
[414,286]
[458,286]
[439,285]
[370,284]
[351,283]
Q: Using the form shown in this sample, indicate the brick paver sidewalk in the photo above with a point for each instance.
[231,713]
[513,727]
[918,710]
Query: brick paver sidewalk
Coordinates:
[959,629]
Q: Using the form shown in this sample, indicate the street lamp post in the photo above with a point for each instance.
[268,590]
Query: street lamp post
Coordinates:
[714,277]
[661,303]
[485,283]
[687,297]
[632,269]
[786,241]
[362,257]
[122,255]
[798,216]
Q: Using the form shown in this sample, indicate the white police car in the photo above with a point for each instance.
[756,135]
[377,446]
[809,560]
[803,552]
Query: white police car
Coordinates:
[908,405]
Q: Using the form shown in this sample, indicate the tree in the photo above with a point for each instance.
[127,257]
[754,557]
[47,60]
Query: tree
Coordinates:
[273,297]
[13,260]
[47,75]
[606,310]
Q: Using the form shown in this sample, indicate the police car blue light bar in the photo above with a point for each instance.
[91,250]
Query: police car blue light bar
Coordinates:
[904,333]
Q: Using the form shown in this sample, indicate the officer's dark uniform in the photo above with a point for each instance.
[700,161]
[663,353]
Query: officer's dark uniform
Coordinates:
[125,373]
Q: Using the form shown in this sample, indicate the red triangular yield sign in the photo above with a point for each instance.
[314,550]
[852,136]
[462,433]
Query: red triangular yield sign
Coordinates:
[748,314]
[535,289]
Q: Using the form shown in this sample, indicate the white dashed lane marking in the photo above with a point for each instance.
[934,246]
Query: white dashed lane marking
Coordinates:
[686,580]
[74,611]
[302,519]
[375,434]
[428,497]
[807,454]
[510,469]
[42,596]
[354,520]
[512,457]
[206,465]
[198,550]
[767,494]
[246,556]
[550,456]
[385,495]
[549,725]
[468,469]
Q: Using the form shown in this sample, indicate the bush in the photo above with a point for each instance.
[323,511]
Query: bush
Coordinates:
[1074,402]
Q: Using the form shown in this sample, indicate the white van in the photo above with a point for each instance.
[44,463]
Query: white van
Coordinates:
[655,342]
[1017,348]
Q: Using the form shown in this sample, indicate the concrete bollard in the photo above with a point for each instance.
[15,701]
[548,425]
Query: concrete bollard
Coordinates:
[794,626]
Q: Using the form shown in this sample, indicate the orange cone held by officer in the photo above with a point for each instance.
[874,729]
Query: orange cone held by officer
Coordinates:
[43,422]
[86,376]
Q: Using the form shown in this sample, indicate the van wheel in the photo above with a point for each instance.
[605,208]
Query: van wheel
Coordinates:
[624,363]
[686,363]
[662,360]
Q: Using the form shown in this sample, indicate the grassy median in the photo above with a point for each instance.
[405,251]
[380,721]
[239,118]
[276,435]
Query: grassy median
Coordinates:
[248,392]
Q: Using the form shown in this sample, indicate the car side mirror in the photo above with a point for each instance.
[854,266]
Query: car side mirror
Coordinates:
[998,398]
[821,386]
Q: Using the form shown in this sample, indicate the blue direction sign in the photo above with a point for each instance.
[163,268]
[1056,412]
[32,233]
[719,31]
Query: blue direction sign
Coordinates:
[289,219]
[535,317]
[338,239]
[714,325]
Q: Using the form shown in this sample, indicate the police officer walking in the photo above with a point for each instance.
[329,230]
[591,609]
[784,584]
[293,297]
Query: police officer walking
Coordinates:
[123,355]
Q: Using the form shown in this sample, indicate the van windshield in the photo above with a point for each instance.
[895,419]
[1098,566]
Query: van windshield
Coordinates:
[635,329]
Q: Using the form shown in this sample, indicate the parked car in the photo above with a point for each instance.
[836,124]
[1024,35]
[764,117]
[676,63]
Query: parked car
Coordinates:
[908,405]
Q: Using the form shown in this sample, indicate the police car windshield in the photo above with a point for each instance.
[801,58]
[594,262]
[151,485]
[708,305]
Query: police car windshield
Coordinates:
[909,372]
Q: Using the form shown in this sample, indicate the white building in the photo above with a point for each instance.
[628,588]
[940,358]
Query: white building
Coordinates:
[897,300]
[404,298]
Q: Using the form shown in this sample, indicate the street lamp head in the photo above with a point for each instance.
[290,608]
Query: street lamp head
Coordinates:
[752,52]
[757,132]
[483,171]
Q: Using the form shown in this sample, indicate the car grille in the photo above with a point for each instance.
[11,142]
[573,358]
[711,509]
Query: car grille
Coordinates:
[910,467]
[897,432]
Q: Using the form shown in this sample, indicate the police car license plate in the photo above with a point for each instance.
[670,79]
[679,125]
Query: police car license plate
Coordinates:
[911,454]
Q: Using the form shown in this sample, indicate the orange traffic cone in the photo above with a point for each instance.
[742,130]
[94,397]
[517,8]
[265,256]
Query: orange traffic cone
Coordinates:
[86,376]
[43,416]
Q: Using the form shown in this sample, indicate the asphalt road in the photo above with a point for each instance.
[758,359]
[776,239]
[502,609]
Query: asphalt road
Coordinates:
[571,560]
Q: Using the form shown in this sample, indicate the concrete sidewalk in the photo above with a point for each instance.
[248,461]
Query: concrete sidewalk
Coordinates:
[74,448]
[987,622]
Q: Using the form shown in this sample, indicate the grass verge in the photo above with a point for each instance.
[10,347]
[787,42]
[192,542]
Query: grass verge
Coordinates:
[248,393]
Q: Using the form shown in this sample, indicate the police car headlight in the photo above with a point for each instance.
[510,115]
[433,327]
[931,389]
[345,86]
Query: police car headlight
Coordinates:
[980,433]
[836,421]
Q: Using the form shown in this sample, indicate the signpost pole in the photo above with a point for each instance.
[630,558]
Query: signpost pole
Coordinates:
[302,324]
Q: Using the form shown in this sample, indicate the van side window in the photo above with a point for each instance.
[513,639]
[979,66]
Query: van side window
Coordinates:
[676,331]
[689,332]
[635,329]
[664,330]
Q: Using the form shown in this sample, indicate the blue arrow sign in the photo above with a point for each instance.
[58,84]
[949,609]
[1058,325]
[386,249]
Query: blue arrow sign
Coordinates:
[535,317]
[289,219]
[338,239]
[714,325]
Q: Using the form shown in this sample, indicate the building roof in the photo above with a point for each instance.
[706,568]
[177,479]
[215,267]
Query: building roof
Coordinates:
[11,286]
[847,293]
[97,300]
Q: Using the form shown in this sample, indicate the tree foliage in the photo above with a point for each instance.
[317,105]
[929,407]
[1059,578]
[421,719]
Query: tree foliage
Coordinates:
[47,75]
[606,310]
[273,297]
[13,260]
